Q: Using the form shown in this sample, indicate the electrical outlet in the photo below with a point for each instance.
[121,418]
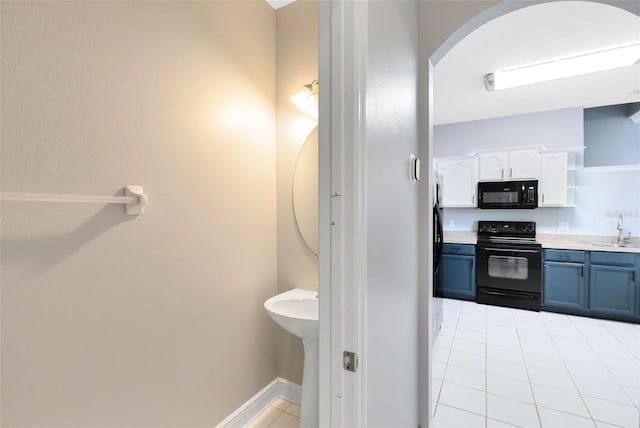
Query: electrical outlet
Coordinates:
[563,226]
[452,224]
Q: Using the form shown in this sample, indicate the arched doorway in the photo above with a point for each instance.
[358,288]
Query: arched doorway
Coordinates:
[500,10]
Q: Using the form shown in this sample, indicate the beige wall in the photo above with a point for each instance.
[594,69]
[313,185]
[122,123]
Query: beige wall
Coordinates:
[157,320]
[109,320]
[296,65]
[439,19]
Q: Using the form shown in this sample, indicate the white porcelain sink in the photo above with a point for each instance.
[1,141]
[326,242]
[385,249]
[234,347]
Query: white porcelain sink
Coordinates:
[297,312]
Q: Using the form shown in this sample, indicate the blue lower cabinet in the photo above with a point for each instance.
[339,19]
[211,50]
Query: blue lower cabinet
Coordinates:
[564,287]
[458,276]
[613,291]
[598,284]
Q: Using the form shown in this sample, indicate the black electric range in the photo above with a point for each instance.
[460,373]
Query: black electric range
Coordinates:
[508,264]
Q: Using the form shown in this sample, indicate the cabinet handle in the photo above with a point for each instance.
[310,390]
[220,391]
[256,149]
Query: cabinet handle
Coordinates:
[633,276]
[473,199]
[543,198]
[510,172]
[581,270]
[502,173]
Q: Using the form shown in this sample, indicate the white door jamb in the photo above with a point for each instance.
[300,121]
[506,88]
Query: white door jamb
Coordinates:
[342,209]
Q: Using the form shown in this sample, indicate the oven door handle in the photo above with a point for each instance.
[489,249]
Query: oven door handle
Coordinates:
[497,293]
[494,293]
[512,250]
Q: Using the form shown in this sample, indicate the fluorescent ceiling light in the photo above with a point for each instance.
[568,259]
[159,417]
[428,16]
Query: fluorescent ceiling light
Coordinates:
[565,67]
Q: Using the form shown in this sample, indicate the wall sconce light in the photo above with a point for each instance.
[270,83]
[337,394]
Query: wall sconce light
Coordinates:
[306,99]
[564,67]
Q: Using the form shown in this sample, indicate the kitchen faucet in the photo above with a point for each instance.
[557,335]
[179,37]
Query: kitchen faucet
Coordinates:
[620,238]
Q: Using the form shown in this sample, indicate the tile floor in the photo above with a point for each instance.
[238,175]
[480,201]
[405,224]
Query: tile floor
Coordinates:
[280,414]
[501,367]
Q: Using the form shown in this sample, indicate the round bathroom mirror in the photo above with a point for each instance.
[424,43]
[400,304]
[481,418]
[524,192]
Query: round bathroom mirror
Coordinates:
[305,191]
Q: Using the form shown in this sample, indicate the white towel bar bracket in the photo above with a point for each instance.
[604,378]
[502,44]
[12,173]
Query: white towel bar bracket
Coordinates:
[135,208]
[134,198]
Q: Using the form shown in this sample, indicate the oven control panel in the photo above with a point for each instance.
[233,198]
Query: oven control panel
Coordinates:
[507,228]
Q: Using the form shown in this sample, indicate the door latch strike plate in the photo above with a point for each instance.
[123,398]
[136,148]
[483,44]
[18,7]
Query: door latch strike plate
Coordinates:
[414,166]
[350,361]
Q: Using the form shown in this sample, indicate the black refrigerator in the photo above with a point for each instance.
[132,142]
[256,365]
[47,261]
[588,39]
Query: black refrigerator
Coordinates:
[438,235]
[438,243]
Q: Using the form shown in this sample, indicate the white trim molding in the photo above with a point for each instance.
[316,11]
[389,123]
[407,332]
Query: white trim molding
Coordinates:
[342,210]
[278,388]
[611,168]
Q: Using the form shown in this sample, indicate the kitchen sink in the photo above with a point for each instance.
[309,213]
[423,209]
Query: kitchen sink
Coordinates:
[614,244]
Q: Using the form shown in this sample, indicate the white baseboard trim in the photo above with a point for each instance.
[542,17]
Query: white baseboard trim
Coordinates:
[278,388]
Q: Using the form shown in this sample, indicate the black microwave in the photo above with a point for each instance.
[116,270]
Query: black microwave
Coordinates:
[508,194]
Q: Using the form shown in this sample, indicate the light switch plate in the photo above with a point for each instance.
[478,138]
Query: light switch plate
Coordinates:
[563,226]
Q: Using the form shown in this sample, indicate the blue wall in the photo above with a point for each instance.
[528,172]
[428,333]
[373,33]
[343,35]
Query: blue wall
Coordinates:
[610,136]
[557,128]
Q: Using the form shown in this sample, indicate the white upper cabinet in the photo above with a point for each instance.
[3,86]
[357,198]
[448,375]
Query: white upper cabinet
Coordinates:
[459,181]
[524,164]
[555,170]
[552,190]
[511,165]
[492,165]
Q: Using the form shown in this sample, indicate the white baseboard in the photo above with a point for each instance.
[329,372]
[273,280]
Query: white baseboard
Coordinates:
[279,388]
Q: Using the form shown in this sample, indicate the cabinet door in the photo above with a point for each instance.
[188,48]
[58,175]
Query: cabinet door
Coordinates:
[493,166]
[524,164]
[459,182]
[564,286]
[612,290]
[552,190]
[458,277]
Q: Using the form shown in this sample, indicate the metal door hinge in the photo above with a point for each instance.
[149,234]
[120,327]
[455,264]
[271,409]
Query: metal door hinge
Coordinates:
[350,361]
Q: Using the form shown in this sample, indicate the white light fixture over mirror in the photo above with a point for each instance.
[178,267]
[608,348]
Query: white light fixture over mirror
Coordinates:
[306,99]
[565,67]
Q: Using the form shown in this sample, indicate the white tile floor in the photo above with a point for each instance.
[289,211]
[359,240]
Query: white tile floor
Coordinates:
[279,414]
[501,367]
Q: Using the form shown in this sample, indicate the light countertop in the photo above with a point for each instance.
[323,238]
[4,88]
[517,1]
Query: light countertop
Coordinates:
[457,237]
[563,242]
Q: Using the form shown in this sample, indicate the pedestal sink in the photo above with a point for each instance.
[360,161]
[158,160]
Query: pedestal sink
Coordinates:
[296,311]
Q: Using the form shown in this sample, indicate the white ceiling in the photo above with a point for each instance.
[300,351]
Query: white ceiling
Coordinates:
[276,4]
[532,35]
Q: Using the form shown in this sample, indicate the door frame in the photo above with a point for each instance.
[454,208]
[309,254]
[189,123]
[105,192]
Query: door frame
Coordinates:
[427,61]
[343,36]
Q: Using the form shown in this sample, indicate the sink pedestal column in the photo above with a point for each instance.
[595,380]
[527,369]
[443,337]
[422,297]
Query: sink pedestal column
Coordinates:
[309,414]
[296,311]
